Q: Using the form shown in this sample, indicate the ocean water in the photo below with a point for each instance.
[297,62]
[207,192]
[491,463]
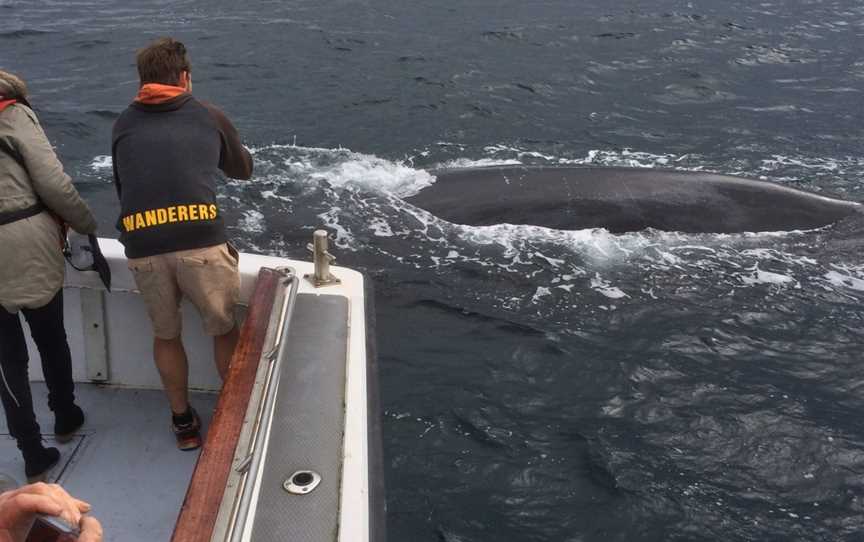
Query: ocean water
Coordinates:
[539,385]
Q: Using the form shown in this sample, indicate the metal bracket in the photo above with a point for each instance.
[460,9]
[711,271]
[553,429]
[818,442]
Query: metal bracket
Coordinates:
[322,260]
[244,465]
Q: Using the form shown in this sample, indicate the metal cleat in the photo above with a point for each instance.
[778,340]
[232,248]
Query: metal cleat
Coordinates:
[322,260]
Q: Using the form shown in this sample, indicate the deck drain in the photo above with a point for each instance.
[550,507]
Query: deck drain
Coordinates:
[302,482]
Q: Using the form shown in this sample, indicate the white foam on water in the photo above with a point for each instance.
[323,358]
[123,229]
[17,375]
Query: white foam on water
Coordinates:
[101,162]
[466,163]
[554,262]
[521,153]
[760,276]
[252,221]
[376,173]
[770,253]
[540,293]
[783,108]
[343,238]
[844,277]
[380,227]
[517,247]
[513,238]
[624,157]
[340,168]
[604,287]
[778,161]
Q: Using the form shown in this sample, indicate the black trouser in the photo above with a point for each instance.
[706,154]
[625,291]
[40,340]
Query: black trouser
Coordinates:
[46,327]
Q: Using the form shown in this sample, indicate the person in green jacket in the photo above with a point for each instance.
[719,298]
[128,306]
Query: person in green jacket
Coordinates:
[37,200]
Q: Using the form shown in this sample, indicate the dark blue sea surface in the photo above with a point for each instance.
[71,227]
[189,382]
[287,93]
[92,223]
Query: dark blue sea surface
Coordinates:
[539,385]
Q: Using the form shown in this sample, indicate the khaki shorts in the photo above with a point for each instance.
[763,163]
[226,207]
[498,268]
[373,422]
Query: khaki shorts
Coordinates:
[208,277]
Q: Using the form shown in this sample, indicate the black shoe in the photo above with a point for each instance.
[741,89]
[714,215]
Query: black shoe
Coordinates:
[188,431]
[66,422]
[38,460]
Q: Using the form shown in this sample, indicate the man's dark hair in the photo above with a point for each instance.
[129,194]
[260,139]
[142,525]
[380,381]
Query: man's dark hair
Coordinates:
[162,61]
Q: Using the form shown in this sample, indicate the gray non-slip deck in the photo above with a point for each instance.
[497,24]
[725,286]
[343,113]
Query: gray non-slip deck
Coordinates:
[308,425]
[125,461]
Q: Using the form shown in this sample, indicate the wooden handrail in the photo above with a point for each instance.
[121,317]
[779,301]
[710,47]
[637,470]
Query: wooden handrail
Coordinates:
[204,494]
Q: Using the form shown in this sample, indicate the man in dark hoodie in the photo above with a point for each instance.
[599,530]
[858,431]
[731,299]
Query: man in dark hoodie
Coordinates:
[167,148]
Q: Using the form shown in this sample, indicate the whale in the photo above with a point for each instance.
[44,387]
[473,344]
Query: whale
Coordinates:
[625,199]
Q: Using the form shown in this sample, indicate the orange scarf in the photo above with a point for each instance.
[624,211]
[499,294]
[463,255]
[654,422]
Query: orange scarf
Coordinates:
[156,93]
[6,103]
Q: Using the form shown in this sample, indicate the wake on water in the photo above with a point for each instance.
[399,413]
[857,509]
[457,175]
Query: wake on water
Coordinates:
[359,198]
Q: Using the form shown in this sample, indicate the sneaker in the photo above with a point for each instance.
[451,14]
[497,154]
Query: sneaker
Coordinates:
[188,434]
[38,460]
[67,422]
